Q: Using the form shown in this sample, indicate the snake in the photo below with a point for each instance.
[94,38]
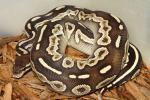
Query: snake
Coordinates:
[77,51]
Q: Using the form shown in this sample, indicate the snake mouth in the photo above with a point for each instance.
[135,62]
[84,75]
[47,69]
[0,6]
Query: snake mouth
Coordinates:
[76,54]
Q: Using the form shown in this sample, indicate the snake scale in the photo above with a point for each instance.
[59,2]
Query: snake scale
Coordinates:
[77,51]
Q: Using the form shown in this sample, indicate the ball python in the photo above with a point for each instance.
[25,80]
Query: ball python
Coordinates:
[77,51]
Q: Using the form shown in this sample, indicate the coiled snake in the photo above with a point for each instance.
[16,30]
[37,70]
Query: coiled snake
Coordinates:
[77,51]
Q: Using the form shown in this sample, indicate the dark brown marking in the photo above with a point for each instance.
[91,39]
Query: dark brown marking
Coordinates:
[105,40]
[105,28]
[51,48]
[92,61]
[53,39]
[68,62]
[56,56]
[81,64]
[69,27]
[100,53]
[81,89]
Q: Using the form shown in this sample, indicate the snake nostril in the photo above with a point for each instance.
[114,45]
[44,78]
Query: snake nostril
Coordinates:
[74,53]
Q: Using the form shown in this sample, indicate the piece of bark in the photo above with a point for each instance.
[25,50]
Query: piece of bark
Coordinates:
[4,52]
[145,91]
[5,40]
[44,95]
[24,92]
[135,91]
[12,45]
[7,92]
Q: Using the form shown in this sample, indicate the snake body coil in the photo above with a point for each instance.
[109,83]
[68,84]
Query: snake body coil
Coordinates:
[77,51]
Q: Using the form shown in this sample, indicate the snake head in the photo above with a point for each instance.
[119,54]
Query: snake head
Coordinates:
[21,66]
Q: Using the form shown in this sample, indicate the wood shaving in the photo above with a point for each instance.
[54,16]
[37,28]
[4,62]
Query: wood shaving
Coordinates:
[7,92]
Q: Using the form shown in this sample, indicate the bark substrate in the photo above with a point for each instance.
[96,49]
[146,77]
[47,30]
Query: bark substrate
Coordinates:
[30,88]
